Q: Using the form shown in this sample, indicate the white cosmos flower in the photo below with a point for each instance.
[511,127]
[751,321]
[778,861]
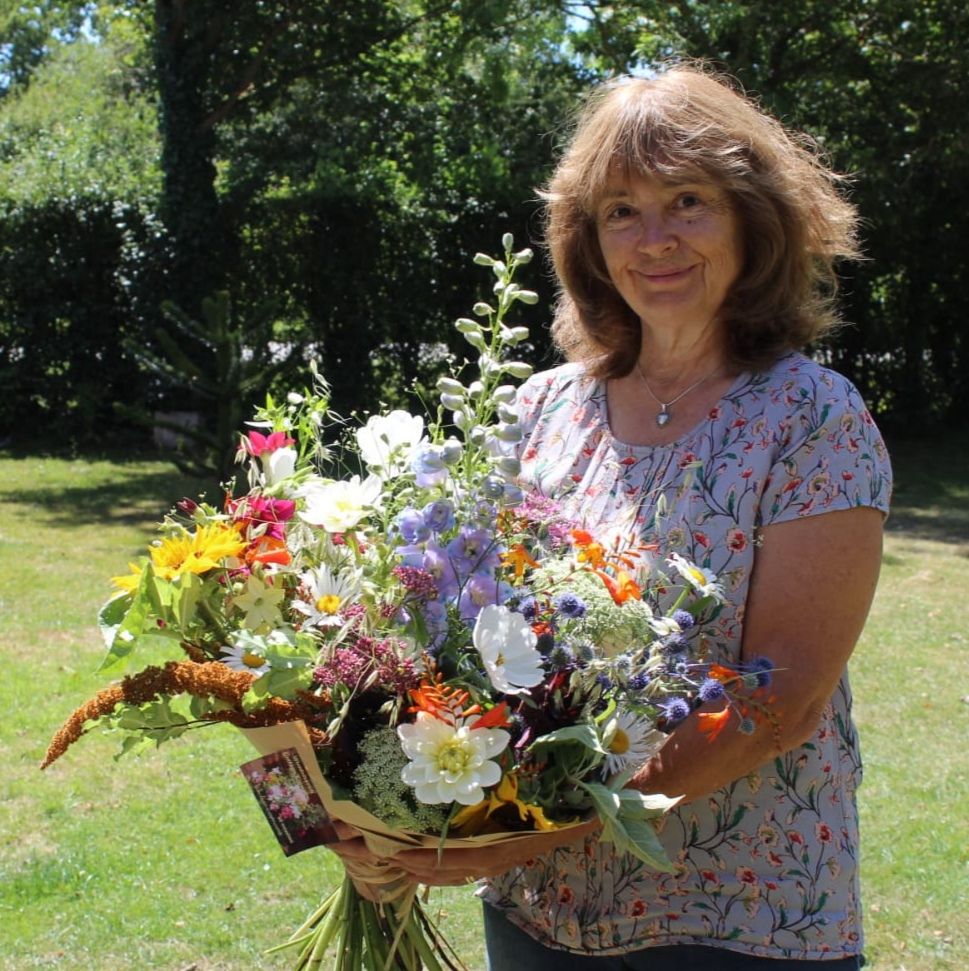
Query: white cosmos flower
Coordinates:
[339,506]
[703,581]
[387,442]
[629,740]
[507,645]
[450,763]
[324,595]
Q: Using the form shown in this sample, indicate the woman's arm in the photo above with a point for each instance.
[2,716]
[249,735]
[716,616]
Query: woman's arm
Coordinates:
[812,586]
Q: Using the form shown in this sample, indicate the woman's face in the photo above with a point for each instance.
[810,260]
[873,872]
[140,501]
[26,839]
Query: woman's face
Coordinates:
[672,249]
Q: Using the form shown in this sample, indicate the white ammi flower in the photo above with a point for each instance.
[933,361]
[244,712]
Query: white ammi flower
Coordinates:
[629,740]
[703,581]
[339,506]
[387,442]
[507,645]
[450,763]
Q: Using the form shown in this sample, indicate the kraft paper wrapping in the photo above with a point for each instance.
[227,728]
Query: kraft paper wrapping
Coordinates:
[381,840]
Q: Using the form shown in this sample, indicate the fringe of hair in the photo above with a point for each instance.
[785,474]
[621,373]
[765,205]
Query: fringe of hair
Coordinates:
[210,679]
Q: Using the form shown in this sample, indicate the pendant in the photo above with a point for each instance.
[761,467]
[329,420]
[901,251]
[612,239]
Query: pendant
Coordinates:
[663,418]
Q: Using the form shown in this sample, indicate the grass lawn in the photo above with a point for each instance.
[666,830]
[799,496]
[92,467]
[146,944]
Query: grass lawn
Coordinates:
[166,863]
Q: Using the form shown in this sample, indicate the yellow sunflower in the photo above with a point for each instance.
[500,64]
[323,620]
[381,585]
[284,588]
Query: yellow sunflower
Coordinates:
[129,581]
[205,549]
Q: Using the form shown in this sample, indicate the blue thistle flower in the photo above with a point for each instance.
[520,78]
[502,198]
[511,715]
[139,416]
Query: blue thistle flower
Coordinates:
[676,710]
[585,653]
[684,618]
[747,726]
[528,608]
[711,690]
[761,668]
[674,644]
[622,665]
[561,656]
[639,681]
[569,605]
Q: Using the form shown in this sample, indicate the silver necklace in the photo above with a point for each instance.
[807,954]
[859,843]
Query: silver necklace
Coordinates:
[665,415]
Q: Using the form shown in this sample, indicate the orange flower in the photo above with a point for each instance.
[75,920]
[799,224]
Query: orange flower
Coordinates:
[518,558]
[621,587]
[268,549]
[712,723]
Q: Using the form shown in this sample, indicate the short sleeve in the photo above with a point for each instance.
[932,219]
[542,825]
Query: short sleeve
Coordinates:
[831,454]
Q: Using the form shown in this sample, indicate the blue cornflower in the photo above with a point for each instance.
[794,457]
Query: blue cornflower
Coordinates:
[676,710]
[570,605]
[684,618]
[711,690]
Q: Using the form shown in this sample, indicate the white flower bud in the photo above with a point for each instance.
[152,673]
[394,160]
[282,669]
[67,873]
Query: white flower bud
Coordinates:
[524,255]
[483,309]
[295,398]
[478,435]
[483,259]
[515,335]
[461,419]
[453,402]
[518,369]
[467,326]
[508,432]
[507,241]
[451,451]
[507,413]
[475,389]
[508,465]
[450,385]
[526,296]
[505,393]
[476,339]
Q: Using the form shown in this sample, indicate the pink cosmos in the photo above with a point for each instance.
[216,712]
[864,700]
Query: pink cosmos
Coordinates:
[256,510]
[257,444]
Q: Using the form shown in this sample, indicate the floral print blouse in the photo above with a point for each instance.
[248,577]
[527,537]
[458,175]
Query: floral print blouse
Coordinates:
[767,865]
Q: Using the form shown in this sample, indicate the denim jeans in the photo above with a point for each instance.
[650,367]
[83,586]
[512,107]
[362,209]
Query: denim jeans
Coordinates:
[511,949]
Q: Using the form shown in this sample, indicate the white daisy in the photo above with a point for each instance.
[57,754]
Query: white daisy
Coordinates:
[244,655]
[450,763]
[339,506]
[702,580]
[629,740]
[507,645]
[324,595]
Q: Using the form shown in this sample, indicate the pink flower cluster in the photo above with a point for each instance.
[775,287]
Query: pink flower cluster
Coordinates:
[367,658]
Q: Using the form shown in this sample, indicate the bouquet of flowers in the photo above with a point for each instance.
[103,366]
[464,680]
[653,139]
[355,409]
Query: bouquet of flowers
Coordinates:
[416,647]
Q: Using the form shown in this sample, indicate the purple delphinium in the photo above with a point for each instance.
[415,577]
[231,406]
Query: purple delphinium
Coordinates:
[473,551]
[411,525]
[439,515]
[438,564]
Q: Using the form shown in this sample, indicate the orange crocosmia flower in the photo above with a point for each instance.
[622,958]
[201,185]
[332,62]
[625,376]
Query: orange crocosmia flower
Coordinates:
[621,587]
[580,537]
[720,673]
[518,558]
[268,549]
[712,723]
[497,717]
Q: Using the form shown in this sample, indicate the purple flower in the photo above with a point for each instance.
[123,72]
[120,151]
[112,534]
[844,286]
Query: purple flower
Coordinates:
[480,591]
[411,525]
[438,564]
[761,668]
[428,466]
[435,621]
[674,644]
[528,608]
[639,681]
[711,690]
[570,605]
[561,656]
[474,551]
[676,710]
[684,618]
[439,515]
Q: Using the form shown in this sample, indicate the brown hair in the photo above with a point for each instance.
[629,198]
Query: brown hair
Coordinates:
[685,121]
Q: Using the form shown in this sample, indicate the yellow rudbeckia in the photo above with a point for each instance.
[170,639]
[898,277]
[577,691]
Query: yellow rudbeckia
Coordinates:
[205,549]
[476,819]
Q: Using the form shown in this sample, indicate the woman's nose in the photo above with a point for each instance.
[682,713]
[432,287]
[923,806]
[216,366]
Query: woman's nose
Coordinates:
[656,235]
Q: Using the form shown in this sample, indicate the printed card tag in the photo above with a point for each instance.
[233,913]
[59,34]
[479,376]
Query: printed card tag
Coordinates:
[283,789]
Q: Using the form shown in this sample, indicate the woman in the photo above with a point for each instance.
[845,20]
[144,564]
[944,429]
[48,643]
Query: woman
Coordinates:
[694,240]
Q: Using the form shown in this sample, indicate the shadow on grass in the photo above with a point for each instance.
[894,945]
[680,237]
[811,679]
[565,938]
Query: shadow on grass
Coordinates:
[128,495]
[931,498]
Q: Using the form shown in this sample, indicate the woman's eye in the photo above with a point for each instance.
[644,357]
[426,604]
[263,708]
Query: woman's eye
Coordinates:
[689,200]
[619,212]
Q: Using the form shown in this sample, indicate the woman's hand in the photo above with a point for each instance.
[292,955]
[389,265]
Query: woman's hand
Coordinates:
[453,867]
